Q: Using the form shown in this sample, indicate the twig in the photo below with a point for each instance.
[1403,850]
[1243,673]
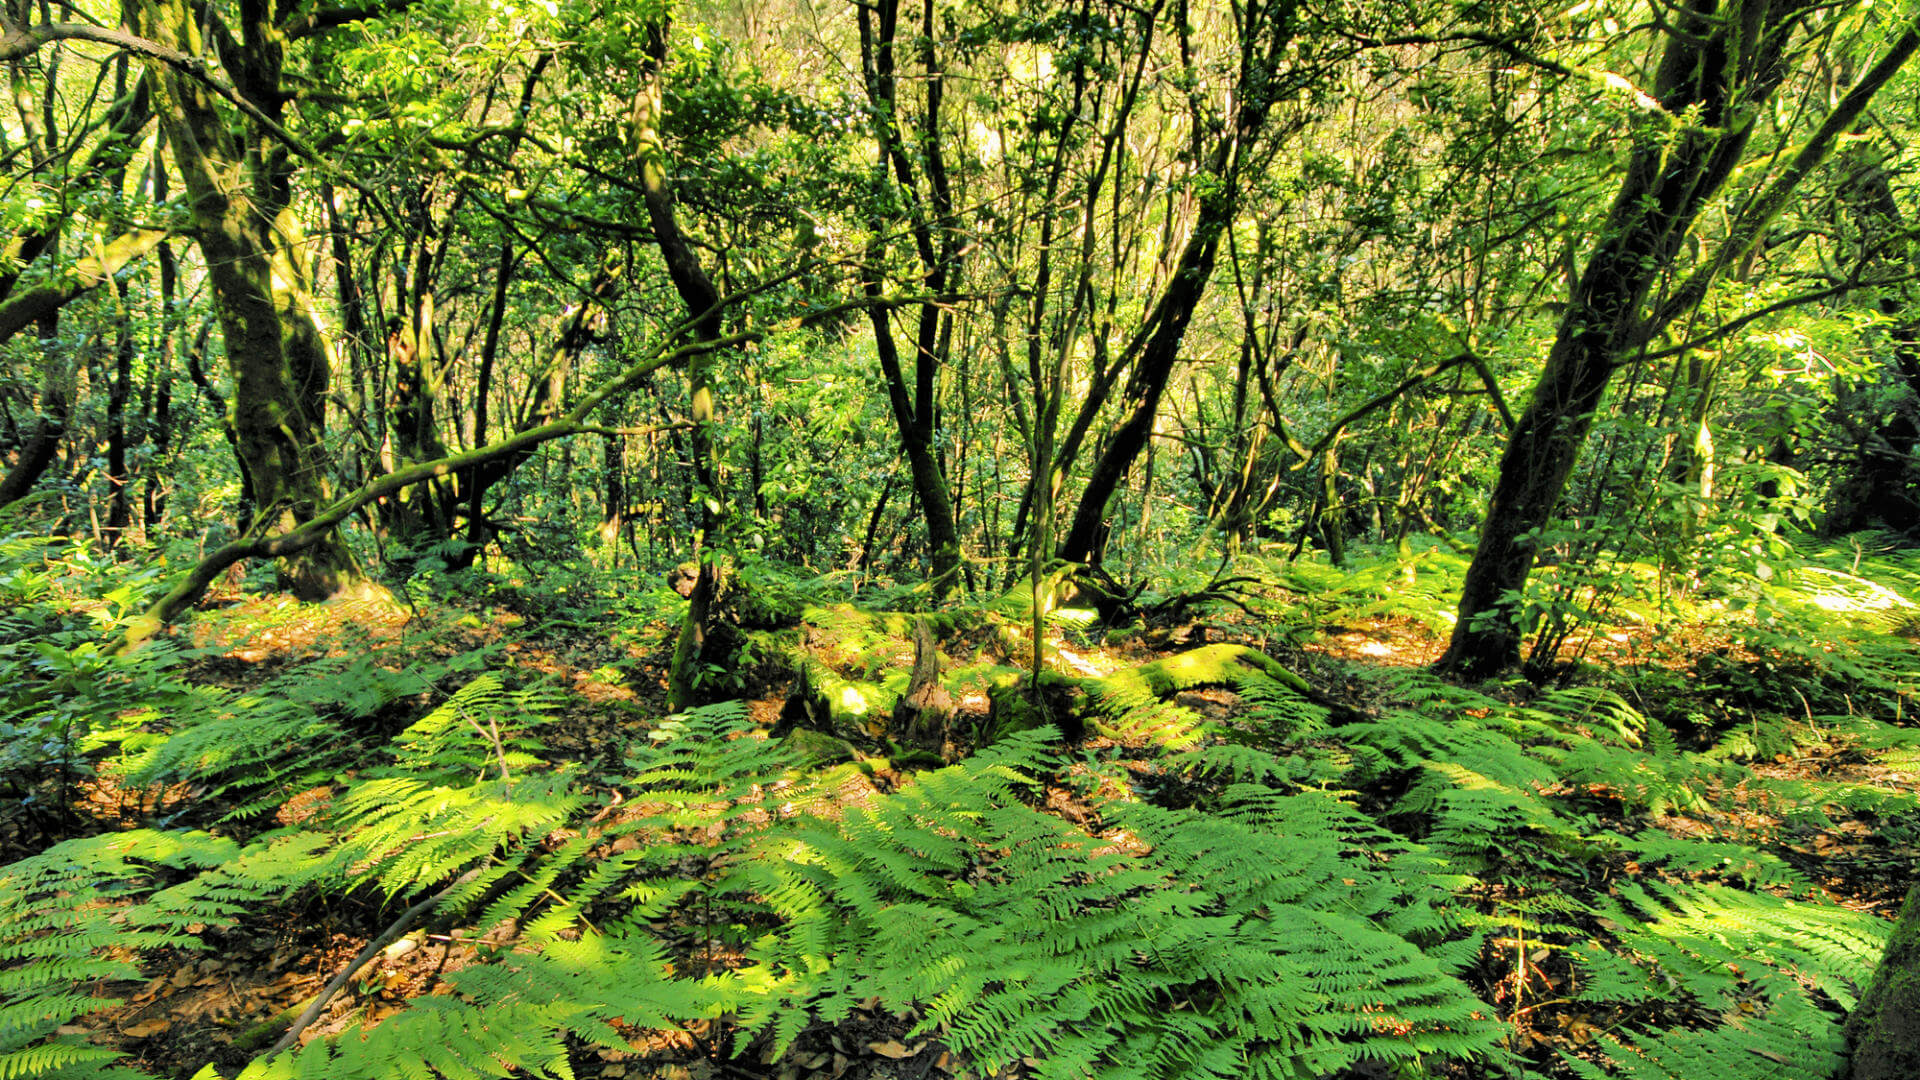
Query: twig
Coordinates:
[373,949]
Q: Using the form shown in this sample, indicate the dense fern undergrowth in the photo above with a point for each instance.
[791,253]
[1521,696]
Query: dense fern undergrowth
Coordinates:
[1233,874]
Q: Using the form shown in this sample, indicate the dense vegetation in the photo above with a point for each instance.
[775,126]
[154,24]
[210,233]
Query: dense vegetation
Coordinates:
[1232,538]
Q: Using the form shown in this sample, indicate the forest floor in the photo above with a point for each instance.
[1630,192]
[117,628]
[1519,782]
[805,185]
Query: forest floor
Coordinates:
[224,1003]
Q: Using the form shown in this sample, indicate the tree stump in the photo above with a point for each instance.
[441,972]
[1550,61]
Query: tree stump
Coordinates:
[922,713]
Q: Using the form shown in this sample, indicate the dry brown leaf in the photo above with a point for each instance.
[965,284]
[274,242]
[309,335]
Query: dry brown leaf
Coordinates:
[146,1027]
[890,1049]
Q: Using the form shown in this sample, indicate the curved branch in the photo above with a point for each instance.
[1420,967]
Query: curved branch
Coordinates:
[310,532]
[22,309]
[1382,400]
[18,42]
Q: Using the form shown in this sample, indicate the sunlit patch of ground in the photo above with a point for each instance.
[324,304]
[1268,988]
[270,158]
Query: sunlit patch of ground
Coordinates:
[260,628]
[1380,642]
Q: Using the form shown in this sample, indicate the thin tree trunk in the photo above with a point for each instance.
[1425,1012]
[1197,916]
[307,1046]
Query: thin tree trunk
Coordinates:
[56,404]
[702,302]
[936,244]
[119,390]
[1157,345]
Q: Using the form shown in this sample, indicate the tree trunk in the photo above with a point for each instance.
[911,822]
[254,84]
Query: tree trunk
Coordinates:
[1883,1033]
[119,390]
[238,186]
[937,246]
[1882,485]
[1260,80]
[56,404]
[1722,66]
[702,302]
[1142,396]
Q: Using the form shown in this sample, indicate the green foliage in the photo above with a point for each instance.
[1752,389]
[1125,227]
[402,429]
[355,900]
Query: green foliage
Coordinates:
[69,917]
[1308,897]
[1134,702]
[1418,582]
[62,694]
[1750,959]
[1244,942]
[1746,981]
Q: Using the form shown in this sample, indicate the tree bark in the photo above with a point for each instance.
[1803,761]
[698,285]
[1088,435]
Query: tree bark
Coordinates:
[1882,485]
[23,309]
[36,456]
[703,305]
[1159,340]
[119,390]
[937,245]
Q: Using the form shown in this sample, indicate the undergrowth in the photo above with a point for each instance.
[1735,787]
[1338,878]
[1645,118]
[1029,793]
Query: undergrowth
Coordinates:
[1485,882]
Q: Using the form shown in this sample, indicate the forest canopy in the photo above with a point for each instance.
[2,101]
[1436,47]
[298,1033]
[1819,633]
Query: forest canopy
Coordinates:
[831,537]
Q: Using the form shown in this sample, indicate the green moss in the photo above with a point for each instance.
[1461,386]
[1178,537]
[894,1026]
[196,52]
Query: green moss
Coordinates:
[817,748]
[1215,665]
[1011,709]
[1884,1031]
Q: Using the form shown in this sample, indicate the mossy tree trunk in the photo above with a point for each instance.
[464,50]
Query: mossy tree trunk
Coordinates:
[1883,1034]
[703,304]
[238,178]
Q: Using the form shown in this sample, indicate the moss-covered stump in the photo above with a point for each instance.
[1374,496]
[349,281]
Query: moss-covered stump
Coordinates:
[873,675]
[924,713]
[1883,1034]
[751,624]
[824,700]
[1063,702]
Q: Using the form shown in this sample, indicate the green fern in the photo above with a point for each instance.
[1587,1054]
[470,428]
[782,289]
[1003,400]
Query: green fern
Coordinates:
[1747,960]
[1134,707]
[70,918]
[1239,944]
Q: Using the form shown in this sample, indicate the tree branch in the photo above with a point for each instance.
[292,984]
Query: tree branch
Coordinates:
[1383,400]
[24,308]
[18,42]
[307,24]
[310,532]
